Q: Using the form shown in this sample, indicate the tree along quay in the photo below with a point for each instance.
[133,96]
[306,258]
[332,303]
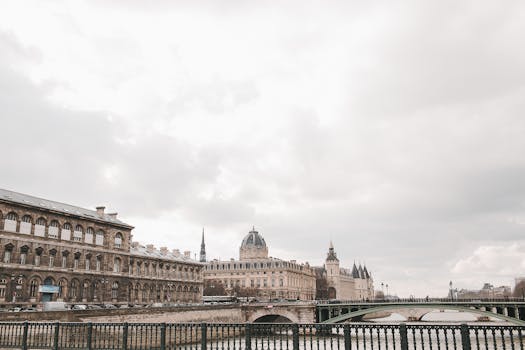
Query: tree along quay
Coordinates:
[255,336]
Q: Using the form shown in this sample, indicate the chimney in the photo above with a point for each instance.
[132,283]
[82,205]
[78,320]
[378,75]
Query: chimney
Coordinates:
[176,252]
[113,215]
[187,254]
[163,250]
[100,211]
[150,248]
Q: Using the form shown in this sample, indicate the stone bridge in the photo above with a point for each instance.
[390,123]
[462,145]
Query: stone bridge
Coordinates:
[295,312]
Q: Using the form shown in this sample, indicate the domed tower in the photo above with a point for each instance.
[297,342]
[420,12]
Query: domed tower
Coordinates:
[253,246]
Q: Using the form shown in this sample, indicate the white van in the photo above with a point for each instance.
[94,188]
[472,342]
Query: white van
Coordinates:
[55,306]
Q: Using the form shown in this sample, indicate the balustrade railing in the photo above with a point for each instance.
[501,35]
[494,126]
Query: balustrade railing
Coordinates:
[257,336]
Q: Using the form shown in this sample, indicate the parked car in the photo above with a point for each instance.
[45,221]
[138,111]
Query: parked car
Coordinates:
[94,307]
[79,307]
[109,306]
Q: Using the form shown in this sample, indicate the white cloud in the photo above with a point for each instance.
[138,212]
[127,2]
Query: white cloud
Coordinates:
[394,129]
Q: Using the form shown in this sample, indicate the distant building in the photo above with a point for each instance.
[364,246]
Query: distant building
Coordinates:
[52,251]
[488,291]
[266,276]
[346,284]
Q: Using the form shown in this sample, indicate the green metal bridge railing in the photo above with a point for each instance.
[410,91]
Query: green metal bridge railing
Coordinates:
[257,336]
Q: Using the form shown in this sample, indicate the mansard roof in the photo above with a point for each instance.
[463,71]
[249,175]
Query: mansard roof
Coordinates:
[67,209]
[138,250]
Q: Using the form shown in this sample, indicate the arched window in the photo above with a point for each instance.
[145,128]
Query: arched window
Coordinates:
[66,232]
[3,287]
[64,259]
[77,234]
[23,254]
[40,227]
[116,265]
[52,232]
[114,290]
[8,253]
[10,222]
[25,225]
[73,290]
[62,285]
[99,240]
[118,240]
[89,235]
[33,288]
[76,260]
[98,263]
[38,255]
[85,290]
[88,262]
[52,254]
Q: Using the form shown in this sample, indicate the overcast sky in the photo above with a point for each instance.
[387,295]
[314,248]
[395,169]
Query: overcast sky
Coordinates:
[393,128]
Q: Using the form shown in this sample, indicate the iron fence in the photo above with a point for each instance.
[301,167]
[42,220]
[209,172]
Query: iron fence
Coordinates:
[257,336]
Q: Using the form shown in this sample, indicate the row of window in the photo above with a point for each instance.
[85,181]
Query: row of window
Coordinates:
[8,254]
[96,290]
[255,265]
[54,230]
[139,269]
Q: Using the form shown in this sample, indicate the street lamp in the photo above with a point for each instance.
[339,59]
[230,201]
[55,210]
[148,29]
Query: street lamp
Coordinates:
[382,290]
[387,289]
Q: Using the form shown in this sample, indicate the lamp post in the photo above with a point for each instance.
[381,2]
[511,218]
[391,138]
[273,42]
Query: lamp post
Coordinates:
[387,290]
[382,290]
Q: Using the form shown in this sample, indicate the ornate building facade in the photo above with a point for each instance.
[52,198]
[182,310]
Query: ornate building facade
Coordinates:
[269,277]
[345,284]
[52,251]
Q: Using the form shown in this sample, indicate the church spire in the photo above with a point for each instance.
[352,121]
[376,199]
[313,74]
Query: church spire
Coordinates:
[203,249]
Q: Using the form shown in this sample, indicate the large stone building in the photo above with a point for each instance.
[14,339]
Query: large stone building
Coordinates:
[53,251]
[346,284]
[269,277]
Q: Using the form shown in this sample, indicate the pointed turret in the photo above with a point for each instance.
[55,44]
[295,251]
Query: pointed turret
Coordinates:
[361,272]
[367,275]
[203,249]
[331,256]
[355,271]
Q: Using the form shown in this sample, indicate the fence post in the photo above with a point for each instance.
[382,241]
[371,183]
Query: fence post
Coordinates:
[24,336]
[346,330]
[57,330]
[204,330]
[125,336]
[163,336]
[465,337]
[89,335]
[404,336]
[248,336]
[295,330]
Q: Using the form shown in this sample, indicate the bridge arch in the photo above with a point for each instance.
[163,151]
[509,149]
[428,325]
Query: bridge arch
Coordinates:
[428,308]
[271,316]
